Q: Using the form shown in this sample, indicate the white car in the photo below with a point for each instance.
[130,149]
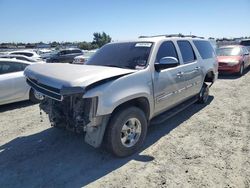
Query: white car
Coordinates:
[13,84]
[27,53]
[20,57]
[81,59]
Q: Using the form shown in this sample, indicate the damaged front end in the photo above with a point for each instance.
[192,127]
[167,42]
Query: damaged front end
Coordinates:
[77,114]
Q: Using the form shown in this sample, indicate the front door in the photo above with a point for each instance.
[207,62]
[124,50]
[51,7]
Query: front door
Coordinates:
[168,83]
[12,82]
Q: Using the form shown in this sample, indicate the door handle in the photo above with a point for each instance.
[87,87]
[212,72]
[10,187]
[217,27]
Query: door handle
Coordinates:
[179,74]
[197,69]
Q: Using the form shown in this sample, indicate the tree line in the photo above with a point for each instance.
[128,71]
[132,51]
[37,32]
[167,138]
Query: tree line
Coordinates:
[99,39]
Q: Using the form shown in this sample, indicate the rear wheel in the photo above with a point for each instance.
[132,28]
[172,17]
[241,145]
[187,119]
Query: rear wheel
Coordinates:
[126,132]
[204,94]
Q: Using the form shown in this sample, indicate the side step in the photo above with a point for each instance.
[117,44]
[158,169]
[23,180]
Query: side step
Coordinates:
[175,110]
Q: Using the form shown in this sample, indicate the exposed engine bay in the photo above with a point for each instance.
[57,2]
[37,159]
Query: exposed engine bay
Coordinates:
[73,113]
[77,114]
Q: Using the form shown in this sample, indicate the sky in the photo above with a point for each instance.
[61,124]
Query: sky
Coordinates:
[77,20]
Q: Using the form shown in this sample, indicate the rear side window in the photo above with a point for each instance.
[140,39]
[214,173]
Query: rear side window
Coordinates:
[187,51]
[11,67]
[204,48]
[167,49]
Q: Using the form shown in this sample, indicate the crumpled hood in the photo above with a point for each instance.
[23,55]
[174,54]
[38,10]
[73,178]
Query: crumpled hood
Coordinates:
[62,75]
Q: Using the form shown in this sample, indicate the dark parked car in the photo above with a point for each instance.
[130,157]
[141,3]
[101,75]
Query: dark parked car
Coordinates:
[64,56]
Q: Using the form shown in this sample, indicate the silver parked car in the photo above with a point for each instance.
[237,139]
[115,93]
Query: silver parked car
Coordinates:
[115,95]
[13,84]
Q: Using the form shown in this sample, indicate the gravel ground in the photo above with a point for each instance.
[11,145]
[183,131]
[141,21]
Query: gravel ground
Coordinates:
[203,146]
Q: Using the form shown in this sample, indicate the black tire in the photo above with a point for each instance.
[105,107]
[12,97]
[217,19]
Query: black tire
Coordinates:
[241,71]
[113,134]
[204,94]
[33,97]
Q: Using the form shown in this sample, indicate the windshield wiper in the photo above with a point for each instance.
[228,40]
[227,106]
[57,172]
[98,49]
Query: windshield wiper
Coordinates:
[110,65]
[122,67]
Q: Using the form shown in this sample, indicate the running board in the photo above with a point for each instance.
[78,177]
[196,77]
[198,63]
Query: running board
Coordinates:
[175,110]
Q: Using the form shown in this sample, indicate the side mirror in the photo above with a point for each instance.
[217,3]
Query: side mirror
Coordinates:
[166,62]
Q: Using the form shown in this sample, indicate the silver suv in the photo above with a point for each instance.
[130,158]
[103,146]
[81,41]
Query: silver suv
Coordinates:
[120,90]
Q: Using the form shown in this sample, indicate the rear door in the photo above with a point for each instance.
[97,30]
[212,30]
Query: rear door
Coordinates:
[191,68]
[12,81]
[168,83]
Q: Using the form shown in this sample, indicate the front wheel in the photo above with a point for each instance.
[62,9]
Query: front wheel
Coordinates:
[35,96]
[126,132]
[241,71]
[204,94]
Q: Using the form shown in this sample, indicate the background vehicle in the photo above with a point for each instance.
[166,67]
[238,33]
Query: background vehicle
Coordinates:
[246,43]
[27,53]
[20,57]
[64,56]
[81,59]
[115,95]
[13,84]
[233,59]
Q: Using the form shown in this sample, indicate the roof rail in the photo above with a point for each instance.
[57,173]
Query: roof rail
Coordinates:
[172,35]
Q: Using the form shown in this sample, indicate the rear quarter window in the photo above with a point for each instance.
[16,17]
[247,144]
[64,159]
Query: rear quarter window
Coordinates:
[205,49]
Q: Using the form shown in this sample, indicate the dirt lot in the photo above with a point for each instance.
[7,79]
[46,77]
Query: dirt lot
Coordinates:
[203,146]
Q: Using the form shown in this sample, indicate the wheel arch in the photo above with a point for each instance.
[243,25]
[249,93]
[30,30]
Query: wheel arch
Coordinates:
[210,76]
[140,102]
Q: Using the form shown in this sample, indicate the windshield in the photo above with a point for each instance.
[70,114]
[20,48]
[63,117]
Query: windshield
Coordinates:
[234,51]
[132,55]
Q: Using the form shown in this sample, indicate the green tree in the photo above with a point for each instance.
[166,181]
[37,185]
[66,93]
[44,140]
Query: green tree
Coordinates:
[101,39]
[85,45]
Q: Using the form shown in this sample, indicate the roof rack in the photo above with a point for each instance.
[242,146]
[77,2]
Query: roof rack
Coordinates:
[172,35]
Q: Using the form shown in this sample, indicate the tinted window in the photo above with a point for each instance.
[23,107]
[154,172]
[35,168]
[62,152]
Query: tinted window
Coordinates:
[187,51]
[63,52]
[10,67]
[245,43]
[68,52]
[167,49]
[23,53]
[205,49]
[132,55]
[76,51]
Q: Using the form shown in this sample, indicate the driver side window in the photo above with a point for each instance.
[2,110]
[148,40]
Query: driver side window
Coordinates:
[167,49]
